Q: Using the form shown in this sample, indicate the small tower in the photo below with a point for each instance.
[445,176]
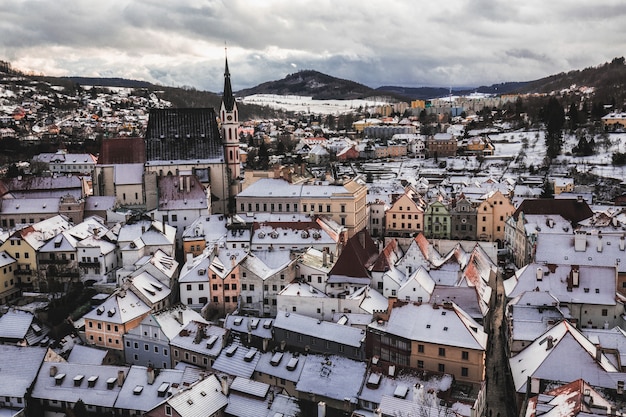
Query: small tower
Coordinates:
[229,117]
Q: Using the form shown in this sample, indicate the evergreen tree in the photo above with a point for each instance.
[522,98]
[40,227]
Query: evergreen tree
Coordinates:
[548,189]
[554,119]
[573,116]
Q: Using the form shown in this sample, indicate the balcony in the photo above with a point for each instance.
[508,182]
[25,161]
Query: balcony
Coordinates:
[95,264]
[23,272]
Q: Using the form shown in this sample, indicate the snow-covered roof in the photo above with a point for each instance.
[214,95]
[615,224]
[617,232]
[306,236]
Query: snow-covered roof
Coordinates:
[596,283]
[71,382]
[232,360]
[203,398]
[19,367]
[333,377]
[551,355]
[87,355]
[121,307]
[443,325]
[144,388]
[320,329]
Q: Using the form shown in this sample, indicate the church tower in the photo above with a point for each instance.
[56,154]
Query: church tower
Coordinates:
[229,117]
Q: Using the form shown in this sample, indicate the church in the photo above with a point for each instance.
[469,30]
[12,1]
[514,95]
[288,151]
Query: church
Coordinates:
[180,142]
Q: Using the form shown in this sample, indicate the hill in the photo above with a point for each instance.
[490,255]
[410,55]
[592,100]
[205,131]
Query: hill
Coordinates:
[312,84]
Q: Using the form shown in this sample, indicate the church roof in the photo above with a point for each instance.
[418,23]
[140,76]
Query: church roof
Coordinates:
[228,99]
[183,134]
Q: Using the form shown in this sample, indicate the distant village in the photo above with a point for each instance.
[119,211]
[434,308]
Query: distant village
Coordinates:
[387,270]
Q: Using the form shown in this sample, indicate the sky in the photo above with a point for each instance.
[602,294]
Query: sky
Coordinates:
[409,43]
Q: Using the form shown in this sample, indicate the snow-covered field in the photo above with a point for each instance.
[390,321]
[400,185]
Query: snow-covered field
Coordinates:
[308,105]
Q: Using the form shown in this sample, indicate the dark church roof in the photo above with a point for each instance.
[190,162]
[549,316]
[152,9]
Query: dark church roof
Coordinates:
[183,134]
[228,98]
[123,150]
[571,209]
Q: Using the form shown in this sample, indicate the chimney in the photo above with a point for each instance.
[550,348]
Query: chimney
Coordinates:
[622,243]
[575,276]
[580,241]
[180,183]
[188,259]
[539,273]
[188,183]
[120,378]
[53,370]
[598,353]
[550,343]
[321,409]
[620,387]
[332,257]
[180,317]
[599,242]
[324,258]
[224,382]
[150,375]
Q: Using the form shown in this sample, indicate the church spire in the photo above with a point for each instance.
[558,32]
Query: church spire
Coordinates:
[228,99]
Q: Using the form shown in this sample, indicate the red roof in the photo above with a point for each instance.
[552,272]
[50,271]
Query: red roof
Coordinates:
[123,150]
[358,255]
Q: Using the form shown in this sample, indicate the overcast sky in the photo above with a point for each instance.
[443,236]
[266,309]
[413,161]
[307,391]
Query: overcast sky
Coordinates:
[407,43]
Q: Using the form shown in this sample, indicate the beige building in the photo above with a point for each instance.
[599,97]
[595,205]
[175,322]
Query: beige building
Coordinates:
[405,217]
[491,217]
[344,204]
[8,281]
[430,337]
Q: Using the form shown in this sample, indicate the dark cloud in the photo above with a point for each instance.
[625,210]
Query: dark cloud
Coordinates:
[400,42]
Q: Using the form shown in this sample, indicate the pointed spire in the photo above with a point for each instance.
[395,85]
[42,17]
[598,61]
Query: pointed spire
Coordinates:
[228,99]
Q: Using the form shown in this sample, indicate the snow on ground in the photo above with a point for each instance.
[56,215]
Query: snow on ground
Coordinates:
[308,104]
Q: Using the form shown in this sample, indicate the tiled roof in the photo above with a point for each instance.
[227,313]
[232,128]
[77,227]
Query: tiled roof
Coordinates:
[122,150]
[183,134]
[571,209]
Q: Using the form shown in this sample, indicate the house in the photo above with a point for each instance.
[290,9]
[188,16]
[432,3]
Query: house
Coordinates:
[207,397]
[431,337]
[463,220]
[263,274]
[255,331]
[198,344]
[22,328]
[307,334]
[529,315]
[145,388]
[589,291]
[491,215]
[149,342]
[521,233]
[437,221]
[60,386]
[441,145]
[344,204]
[570,400]
[584,248]
[138,238]
[97,260]
[334,380]
[125,182]
[8,281]
[20,366]
[253,398]
[23,245]
[106,325]
[353,264]
[549,358]
[281,369]
[181,200]
[405,217]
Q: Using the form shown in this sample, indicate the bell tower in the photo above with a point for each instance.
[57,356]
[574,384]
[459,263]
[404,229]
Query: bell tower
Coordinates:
[229,117]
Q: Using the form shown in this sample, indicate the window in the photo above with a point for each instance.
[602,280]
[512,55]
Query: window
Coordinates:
[251,287]
[420,364]
[214,287]
[188,287]
[201,287]
[226,286]
[465,355]
[441,368]
[215,299]
[442,351]
[174,217]
[464,371]
[420,348]
[605,312]
[244,287]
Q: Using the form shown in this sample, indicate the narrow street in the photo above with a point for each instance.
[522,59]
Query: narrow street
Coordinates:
[500,391]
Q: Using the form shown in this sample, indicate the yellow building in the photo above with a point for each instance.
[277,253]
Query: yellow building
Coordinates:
[405,217]
[8,281]
[343,203]
[563,185]
[614,120]
[491,216]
